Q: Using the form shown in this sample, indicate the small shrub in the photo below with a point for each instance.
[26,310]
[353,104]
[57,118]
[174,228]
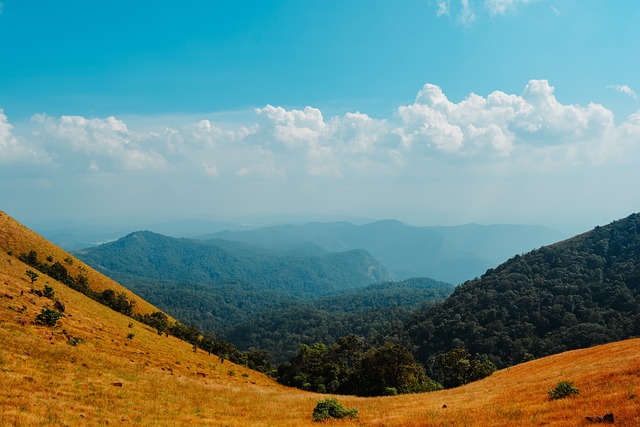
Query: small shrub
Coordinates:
[130,335]
[390,391]
[74,341]
[562,390]
[48,292]
[332,409]
[231,372]
[48,317]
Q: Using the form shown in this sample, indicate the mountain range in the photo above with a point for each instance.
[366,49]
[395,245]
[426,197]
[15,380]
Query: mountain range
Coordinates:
[448,254]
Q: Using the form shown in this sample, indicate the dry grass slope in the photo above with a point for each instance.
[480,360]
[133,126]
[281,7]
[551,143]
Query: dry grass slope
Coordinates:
[158,381]
[19,239]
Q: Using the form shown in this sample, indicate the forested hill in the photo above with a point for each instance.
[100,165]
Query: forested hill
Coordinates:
[215,283]
[576,293]
[154,256]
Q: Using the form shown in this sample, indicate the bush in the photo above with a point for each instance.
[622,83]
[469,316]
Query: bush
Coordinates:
[48,292]
[74,341]
[562,390]
[332,409]
[48,317]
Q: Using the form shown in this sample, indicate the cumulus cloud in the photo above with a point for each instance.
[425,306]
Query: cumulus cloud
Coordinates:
[14,149]
[500,122]
[94,144]
[624,89]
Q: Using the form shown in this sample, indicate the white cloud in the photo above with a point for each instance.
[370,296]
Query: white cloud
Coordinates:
[443,7]
[466,12]
[500,122]
[284,144]
[467,15]
[500,7]
[14,149]
[99,143]
[624,89]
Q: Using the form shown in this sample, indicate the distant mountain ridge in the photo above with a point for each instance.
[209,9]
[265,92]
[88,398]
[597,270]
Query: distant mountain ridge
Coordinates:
[154,256]
[450,254]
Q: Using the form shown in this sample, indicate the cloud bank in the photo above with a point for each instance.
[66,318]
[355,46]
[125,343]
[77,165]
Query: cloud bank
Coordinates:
[432,146]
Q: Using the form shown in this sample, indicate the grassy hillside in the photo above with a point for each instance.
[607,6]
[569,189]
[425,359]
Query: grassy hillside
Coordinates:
[154,380]
[15,238]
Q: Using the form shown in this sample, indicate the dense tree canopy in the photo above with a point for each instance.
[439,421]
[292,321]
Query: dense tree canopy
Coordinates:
[577,293]
[375,313]
[345,367]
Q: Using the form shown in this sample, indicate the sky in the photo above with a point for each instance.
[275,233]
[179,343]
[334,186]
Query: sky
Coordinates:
[432,112]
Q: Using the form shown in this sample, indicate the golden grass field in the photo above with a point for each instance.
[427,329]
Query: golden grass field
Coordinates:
[153,380]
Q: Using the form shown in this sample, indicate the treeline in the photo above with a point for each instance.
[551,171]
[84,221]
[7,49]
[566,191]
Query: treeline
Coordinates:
[255,359]
[116,301]
[347,367]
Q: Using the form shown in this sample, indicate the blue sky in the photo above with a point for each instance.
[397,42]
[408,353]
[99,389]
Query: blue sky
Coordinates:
[431,112]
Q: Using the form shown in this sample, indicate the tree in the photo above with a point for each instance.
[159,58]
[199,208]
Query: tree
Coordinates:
[390,369]
[456,367]
[157,320]
[48,317]
[259,360]
[32,275]
[308,369]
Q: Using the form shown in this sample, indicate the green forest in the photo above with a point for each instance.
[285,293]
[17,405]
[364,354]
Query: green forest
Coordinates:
[376,313]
